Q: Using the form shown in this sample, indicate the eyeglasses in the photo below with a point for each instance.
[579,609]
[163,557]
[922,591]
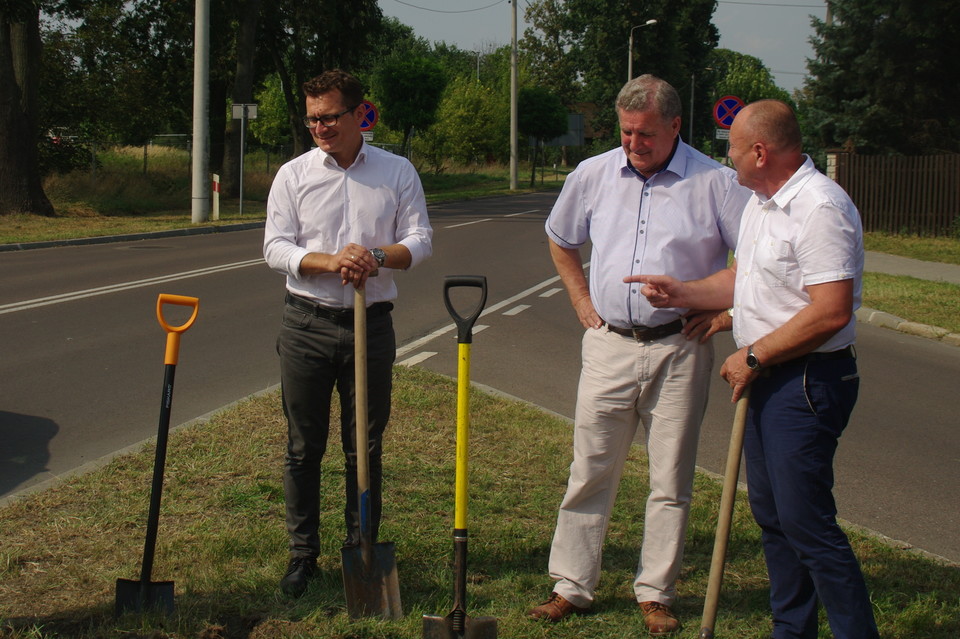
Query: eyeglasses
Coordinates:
[326,120]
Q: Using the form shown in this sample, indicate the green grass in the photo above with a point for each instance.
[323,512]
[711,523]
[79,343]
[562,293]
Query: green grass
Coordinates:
[222,538]
[930,249]
[932,303]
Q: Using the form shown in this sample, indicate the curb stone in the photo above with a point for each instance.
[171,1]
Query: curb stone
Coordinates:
[887,320]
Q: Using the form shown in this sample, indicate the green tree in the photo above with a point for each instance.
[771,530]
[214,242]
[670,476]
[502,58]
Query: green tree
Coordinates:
[408,92]
[592,37]
[301,40]
[744,76]
[882,79]
[472,125]
[20,188]
[542,116]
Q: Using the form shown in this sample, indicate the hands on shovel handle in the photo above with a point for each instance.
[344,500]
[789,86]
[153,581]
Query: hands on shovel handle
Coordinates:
[370,581]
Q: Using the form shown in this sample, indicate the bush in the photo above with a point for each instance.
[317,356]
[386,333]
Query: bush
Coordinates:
[62,155]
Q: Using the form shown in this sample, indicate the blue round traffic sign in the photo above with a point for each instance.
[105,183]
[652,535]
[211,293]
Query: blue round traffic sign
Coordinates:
[726,109]
[370,117]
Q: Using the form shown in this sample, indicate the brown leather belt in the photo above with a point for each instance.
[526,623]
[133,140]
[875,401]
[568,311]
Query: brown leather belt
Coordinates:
[649,333]
[343,316]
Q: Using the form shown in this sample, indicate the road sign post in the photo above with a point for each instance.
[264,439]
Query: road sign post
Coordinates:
[243,112]
[724,111]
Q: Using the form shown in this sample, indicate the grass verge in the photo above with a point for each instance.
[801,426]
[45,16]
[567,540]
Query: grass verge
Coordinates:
[916,300]
[222,540]
[930,249]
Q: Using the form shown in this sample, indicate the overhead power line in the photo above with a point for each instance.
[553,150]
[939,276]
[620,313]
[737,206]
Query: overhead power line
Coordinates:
[446,11]
[767,4]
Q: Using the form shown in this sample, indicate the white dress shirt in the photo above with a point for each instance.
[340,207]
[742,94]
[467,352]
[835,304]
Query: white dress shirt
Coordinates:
[682,221]
[316,206]
[808,233]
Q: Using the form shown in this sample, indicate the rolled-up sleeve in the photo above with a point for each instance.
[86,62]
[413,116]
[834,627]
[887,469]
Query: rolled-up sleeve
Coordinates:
[413,225]
[282,228]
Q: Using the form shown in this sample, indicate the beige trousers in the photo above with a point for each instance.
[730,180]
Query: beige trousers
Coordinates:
[663,386]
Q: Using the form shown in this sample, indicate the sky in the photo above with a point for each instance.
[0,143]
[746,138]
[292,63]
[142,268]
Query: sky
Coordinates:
[777,32]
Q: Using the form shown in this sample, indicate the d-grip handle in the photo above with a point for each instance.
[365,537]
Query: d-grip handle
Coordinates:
[171,354]
[465,323]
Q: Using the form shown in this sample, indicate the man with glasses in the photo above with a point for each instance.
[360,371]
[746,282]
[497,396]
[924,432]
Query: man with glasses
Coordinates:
[335,215]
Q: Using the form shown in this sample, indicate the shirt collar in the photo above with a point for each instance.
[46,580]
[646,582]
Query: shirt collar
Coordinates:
[324,159]
[795,184]
[676,163]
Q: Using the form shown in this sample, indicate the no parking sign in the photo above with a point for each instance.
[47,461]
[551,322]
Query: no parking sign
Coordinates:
[370,116]
[726,109]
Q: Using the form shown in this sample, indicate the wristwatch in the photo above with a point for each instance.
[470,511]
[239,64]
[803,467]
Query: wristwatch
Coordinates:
[379,255]
[752,360]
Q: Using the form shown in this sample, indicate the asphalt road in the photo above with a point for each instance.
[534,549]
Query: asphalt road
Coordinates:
[81,357]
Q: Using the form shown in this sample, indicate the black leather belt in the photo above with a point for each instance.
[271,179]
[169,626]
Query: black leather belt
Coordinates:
[342,316]
[843,353]
[649,333]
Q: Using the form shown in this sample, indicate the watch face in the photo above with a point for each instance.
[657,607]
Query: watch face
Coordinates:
[752,361]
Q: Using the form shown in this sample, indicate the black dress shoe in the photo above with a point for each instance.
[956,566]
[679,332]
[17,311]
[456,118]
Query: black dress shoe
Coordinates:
[300,571]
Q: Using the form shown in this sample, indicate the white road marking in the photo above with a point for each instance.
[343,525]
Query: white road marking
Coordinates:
[123,286]
[416,359]
[516,310]
[454,226]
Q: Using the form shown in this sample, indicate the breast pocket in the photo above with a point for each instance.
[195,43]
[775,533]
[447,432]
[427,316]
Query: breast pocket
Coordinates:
[775,260]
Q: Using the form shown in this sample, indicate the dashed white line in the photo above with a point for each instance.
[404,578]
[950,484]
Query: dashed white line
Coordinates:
[426,339]
[551,292]
[516,310]
[416,359]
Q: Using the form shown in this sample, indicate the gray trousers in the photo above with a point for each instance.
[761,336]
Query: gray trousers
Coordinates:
[316,356]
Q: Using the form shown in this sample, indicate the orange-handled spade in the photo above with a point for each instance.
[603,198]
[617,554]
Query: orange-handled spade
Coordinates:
[142,594]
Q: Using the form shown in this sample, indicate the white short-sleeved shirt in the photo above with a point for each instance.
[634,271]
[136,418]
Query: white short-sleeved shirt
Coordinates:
[683,221]
[317,206]
[808,233]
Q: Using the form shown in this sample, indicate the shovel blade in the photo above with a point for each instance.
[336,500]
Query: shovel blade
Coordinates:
[371,590]
[142,596]
[435,627]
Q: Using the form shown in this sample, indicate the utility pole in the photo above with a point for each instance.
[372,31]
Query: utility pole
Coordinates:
[200,184]
[513,98]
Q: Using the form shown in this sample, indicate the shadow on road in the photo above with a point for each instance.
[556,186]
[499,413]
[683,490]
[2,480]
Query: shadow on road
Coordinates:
[25,449]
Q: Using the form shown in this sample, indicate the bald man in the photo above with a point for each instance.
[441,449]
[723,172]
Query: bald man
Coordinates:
[793,289]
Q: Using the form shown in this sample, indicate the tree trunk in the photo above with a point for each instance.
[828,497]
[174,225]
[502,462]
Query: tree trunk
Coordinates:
[21,189]
[242,94]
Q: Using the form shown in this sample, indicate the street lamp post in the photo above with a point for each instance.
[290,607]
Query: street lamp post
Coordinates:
[693,80]
[630,47]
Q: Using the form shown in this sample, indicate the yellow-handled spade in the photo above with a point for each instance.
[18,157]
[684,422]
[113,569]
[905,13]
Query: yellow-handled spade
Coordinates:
[458,624]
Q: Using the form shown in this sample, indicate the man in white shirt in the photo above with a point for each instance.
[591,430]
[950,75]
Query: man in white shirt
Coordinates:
[653,203]
[794,287]
[335,215]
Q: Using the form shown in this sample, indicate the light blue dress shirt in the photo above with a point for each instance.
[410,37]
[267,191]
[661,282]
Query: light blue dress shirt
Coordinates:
[682,221]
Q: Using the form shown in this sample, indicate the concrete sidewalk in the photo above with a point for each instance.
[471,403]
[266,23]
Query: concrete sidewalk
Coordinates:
[896,265]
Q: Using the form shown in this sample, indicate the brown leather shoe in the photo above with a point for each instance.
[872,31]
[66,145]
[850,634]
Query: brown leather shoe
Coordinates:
[660,621]
[554,609]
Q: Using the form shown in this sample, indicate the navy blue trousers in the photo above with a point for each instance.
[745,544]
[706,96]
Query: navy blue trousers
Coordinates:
[316,356]
[797,414]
